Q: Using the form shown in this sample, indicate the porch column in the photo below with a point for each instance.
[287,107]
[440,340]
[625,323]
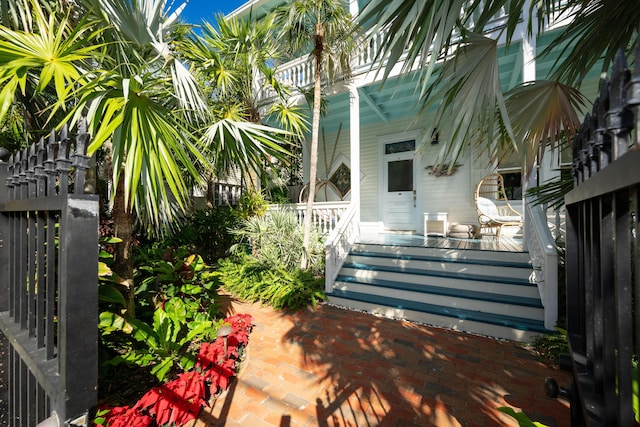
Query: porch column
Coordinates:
[353,7]
[354,143]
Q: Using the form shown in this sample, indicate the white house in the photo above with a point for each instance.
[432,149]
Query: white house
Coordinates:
[372,153]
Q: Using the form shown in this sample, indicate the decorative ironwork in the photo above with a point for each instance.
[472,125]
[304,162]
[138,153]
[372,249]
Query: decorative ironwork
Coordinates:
[49,281]
[602,253]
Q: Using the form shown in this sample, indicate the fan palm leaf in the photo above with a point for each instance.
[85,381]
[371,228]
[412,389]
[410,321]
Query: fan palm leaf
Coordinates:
[544,113]
[56,52]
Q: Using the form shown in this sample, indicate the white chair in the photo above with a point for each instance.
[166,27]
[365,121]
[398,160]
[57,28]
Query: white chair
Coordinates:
[492,205]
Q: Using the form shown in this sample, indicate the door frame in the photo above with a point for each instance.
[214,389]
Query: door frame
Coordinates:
[417,166]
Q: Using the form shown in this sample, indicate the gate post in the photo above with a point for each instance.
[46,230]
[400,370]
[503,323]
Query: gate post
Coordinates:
[79,290]
[4,235]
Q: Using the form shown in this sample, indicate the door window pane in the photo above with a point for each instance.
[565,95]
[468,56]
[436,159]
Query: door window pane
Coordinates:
[400,175]
[400,147]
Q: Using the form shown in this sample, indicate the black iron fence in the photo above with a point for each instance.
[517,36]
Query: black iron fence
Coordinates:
[48,282]
[602,259]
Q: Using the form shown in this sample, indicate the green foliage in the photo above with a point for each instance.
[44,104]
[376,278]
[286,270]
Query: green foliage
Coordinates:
[551,346]
[278,287]
[207,232]
[276,240]
[175,304]
[252,203]
[521,417]
[166,343]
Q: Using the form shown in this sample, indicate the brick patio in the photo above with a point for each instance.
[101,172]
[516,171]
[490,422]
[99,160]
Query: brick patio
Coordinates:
[333,367]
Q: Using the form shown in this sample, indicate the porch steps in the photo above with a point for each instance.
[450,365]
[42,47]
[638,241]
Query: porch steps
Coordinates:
[483,292]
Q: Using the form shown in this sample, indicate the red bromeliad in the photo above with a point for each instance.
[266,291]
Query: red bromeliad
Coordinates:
[180,400]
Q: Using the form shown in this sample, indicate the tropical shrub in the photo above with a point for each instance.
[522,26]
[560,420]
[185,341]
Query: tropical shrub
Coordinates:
[275,240]
[175,310]
[276,286]
[206,232]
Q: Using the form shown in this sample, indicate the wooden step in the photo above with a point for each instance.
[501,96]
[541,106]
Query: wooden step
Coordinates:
[484,292]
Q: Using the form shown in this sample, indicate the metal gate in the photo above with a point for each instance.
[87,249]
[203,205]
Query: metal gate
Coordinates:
[48,282]
[603,269]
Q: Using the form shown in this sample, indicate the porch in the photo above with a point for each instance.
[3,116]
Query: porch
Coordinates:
[485,243]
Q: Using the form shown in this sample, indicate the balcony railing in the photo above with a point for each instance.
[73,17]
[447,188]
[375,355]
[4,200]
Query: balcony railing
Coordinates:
[299,73]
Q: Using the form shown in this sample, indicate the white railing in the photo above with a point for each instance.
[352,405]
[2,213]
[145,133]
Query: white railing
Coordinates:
[226,194]
[299,73]
[544,258]
[325,215]
[338,244]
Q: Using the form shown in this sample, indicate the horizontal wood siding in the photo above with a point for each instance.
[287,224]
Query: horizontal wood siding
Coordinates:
[452,194]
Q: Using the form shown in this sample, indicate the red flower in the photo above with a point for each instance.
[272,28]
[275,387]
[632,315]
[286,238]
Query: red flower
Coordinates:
[178,401]
[123,416]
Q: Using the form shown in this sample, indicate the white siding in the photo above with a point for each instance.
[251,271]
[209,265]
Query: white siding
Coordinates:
[451,194]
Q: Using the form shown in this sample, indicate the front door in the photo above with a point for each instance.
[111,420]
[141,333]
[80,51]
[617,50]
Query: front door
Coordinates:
[399,206]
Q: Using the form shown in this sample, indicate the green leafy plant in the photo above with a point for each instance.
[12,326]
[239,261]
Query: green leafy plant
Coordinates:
[277,286]
[551,346]
[176,310]
[252,203]
[276,241]
[521,417]
[179,401]
[166,344]
[207,232]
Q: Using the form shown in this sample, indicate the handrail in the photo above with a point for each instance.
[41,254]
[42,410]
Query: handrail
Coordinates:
[338,244]
[544,258]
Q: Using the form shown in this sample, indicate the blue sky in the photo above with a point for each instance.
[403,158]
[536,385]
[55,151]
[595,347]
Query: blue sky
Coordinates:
[197,10]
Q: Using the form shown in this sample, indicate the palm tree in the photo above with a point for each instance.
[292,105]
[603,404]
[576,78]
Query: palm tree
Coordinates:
[532,113]
[324,29]
[119,66]
[236,55]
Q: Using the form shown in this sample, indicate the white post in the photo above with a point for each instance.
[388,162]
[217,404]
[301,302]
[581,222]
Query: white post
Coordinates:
[353,7]
[528,47]
[354,143]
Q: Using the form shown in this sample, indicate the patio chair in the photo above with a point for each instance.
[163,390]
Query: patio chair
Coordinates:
[492,205]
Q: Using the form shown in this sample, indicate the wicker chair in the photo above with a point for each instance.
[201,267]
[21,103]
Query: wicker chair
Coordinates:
[492,205]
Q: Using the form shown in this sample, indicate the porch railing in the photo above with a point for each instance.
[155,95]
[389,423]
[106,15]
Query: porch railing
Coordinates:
[602,261]
[226,194]
[338,244]
[325,215]
[544,259]
[49,283]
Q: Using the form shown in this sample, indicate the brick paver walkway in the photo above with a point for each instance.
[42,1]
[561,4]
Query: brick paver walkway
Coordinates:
[333,367]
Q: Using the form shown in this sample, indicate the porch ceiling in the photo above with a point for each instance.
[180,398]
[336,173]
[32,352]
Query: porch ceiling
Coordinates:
[398,98]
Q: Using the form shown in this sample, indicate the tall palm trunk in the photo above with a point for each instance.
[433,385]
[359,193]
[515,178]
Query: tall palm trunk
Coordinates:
[123,257]
[315,130]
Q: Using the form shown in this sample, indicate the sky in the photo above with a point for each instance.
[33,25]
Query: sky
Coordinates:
[197,10]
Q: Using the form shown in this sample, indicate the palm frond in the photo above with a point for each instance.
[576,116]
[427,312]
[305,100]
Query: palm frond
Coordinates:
[471,99]
[415,33]
[590,38]
[56,54]
[543,112]
[243,144]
